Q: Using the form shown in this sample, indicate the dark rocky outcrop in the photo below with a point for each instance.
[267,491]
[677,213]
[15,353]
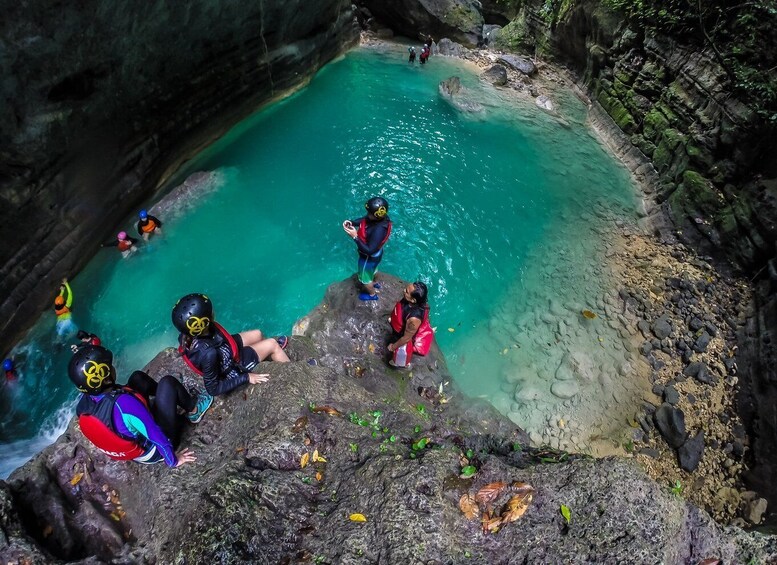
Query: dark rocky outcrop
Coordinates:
[247,499]
[100,101]
[459,20]
[496,75]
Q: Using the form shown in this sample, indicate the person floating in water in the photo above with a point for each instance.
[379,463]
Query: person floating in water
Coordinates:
[148,225]
[370,233]
[411,57]
[124,422]
[10,370]
[125,244]
[62,305]
[85,338]
[411,332]
[425,52]
[225,361]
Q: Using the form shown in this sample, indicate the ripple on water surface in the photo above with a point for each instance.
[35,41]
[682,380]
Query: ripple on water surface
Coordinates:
[504,215]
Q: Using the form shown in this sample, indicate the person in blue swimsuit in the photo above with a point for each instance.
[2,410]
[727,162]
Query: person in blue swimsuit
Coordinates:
[370,233]
[136,422]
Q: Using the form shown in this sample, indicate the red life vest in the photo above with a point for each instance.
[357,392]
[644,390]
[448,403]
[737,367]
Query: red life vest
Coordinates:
[362,233]
[422,340]
[227,337]
[124,244]
[96,421]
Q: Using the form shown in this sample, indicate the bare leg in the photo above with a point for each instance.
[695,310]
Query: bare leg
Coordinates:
[369,288]
[272,349]
[251,337]
[146,236]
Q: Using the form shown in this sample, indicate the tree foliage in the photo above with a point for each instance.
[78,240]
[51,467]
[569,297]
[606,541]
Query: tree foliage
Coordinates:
[743,36]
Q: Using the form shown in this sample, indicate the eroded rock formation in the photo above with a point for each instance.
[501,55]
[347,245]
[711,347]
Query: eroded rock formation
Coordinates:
[248,499]
[101,100]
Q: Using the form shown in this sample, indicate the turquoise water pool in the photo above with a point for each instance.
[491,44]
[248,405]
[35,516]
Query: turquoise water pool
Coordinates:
[503,214]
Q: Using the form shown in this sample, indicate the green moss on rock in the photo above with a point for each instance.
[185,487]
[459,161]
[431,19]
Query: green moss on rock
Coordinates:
[617,111]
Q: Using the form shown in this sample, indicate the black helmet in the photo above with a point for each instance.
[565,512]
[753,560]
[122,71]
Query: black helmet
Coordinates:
[193,314]
[378,206]
[91,369]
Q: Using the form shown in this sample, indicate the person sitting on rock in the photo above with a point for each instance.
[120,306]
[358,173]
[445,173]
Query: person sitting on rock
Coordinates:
[124,243]
[139,421]
[62,304]
[370,236]
[148,225]
[225,361]
[409,320]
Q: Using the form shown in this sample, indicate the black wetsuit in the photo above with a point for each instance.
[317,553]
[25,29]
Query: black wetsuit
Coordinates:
[213,356]
[376,236]
[143,223]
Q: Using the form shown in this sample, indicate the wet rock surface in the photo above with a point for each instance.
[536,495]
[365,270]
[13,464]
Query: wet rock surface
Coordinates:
[248,498]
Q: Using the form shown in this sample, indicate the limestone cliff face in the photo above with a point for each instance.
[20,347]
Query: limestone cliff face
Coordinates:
[379,442]
[99,100]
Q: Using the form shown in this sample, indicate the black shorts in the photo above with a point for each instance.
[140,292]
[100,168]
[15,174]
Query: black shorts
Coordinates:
[248,357]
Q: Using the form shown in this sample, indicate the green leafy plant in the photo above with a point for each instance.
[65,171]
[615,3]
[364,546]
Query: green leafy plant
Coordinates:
[677,489]
[566,513]
[468,471]
[420,444]
[354,447]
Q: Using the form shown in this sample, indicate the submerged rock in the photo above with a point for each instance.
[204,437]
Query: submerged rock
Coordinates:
[455,94]
[248,499]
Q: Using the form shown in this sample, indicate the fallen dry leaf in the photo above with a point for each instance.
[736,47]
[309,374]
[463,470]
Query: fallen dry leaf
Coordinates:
[516,507]
[469,506]
[327,410]
[371,347]
[490,492]
[317,457]
[306,441]
[76,479]
[493,525]
[319,476]
[240,449]
[521,487]
[303,461]
[299,424]
[357,518]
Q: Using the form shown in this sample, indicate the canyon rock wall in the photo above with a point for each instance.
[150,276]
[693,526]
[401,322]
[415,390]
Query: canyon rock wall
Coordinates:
[100,100]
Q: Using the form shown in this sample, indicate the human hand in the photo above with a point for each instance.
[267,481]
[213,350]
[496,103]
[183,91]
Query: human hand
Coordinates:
[64,280]
[391,347]
[256,378]
[185,456]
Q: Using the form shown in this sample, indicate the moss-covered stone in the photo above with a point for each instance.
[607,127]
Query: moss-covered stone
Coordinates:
[463,17]
[654,124]
[617,112]
[514,36]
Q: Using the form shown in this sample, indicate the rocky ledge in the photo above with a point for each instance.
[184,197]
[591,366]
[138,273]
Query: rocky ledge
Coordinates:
[350,461]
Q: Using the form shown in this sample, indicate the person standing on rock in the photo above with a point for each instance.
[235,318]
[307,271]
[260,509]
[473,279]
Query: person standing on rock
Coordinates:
[148,225]
[137,422]
[370,233]
[411,332]
[225,361]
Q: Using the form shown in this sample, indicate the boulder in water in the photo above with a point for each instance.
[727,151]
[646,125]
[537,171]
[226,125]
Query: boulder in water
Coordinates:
[545,104]
[456,95]
[565,389]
